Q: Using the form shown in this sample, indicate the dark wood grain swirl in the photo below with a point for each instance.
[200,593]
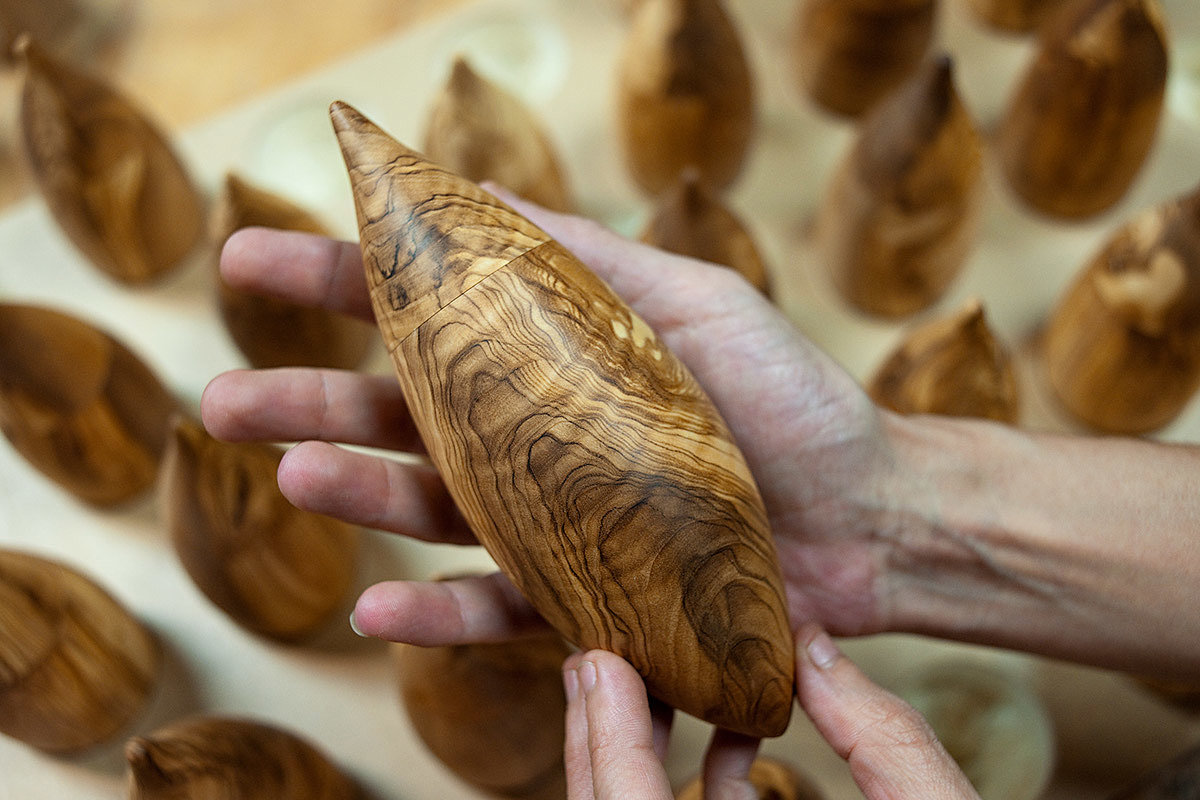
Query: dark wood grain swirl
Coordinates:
[595,470]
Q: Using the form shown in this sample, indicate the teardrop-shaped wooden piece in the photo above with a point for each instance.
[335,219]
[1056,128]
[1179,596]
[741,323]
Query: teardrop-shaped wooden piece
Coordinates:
[771,778]
[76,667]
[492,713]
[850,54]
[269,331]
[584,455]
[219,758]
[1122,347]
[109,176]
[1086,114]
[952,365]
[273,568]
[692,221]
[901,213]
[80,406]
[1016,16]
[685,95]
[483,132]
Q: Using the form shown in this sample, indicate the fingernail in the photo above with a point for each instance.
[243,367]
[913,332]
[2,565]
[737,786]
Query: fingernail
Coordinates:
[571,684]
[822,650]
[587,676]
[354,626]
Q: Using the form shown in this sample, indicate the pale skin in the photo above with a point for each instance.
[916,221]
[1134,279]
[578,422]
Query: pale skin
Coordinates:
[1081,548]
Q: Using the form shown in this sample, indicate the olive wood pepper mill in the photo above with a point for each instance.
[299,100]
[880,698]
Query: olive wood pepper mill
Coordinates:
[584,455]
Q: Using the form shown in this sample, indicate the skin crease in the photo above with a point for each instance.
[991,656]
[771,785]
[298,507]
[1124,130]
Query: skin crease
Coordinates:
[1074,547]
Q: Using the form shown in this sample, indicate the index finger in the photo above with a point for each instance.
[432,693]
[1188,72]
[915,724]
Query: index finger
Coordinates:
[305,268]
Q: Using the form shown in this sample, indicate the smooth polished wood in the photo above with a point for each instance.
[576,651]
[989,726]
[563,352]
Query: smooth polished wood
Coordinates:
[692,221]
[1122,347]
[584,455]
[269,331]
[901,213]
[273,568]
[952,365]
[110,177]
[219,758]
[685,95]
[492,713]
[1085,115]
[850,54]
[483,132]
[81,407]
[76,668]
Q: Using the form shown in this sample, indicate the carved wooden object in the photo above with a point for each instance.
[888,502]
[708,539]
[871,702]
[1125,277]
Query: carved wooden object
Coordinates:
[1122,347]
[584,455]
[273,568]
[492,713]
[76,668]
[1016,16]
[80,406]
[483,132]
[692,221]
[901,212]
[219,758]
[685,95]
[111,179]
[1085,116]
[952,365]
[771,778]
[850,54]
[271,332]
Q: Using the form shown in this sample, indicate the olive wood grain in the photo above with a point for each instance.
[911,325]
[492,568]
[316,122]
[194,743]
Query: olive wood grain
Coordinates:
[81,407]
[75,666]
[850,54]
[901,212]
[582,452]
[1122,346]
[1016,16]
[1086,114]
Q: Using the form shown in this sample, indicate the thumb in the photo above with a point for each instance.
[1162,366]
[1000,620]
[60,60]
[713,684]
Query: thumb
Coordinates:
[892,752]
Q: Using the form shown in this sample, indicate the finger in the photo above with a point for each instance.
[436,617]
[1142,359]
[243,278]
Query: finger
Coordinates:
[620,737]
[304,268]
[726,773]
[892,751]
[292,404]
[577,761]
[486,608]
[372,491]
[662,718]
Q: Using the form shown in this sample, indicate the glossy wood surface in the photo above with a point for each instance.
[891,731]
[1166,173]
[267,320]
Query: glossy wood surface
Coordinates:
[584,455]
[76,668]
[1083,118]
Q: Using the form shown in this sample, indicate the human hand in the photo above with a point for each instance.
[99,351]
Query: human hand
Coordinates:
[615,743]
[808,432]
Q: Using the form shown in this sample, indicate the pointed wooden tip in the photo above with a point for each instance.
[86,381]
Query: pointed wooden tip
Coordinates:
[462,75]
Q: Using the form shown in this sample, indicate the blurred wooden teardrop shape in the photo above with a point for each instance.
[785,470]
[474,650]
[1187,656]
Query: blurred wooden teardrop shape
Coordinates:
[685,95]
[901,212]
[269,331]
[273,568]
[952,365]
[692,221]
[1086,114]
[80,406]
[1122,347]
[219,758]
[110,177]
[483,132]
[584,455]
[76,667]
[850,54]
[492,713]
